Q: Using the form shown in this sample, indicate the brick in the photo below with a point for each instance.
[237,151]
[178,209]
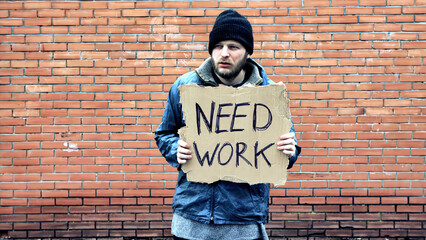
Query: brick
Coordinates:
[51,13]
[316,3]
[339,233]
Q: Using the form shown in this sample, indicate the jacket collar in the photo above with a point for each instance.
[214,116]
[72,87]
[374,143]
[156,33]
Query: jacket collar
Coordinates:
[204,73]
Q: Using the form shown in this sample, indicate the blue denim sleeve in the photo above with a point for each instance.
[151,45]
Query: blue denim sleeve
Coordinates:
[166,135]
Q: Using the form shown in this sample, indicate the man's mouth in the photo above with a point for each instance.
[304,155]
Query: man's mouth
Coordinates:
[224,64]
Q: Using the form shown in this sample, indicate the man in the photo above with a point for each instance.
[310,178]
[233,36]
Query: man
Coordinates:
[221,210]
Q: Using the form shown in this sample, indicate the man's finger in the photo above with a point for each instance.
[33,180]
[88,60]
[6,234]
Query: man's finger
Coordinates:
[181,161]
[286,142]
[184,151]
[287,136]
[183,144]
[288,149]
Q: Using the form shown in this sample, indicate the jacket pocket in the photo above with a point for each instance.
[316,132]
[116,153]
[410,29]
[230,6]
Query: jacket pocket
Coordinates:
[260,195]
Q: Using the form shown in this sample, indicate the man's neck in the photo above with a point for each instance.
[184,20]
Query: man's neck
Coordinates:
[232,82]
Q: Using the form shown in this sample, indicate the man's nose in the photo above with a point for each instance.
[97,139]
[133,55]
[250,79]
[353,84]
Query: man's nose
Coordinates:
[225,52]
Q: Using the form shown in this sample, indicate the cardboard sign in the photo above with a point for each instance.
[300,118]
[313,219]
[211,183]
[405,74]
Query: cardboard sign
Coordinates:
[233,133]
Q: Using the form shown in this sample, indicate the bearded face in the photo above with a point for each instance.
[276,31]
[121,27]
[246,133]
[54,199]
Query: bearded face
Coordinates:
[228,58]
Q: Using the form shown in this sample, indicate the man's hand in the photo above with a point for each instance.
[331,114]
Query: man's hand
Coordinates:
[287,144]
[183,152]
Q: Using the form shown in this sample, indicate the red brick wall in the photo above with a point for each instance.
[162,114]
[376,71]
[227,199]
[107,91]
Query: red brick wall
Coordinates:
[83,86]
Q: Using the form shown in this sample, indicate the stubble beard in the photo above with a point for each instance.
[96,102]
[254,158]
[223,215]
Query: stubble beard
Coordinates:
[231,74]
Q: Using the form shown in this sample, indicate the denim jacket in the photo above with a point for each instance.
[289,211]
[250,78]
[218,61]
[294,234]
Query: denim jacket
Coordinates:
[221,202]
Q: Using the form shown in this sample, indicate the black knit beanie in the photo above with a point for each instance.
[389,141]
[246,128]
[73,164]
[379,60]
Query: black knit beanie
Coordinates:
[230,25]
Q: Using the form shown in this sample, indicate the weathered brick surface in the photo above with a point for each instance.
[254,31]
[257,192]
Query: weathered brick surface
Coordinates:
[83,86]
